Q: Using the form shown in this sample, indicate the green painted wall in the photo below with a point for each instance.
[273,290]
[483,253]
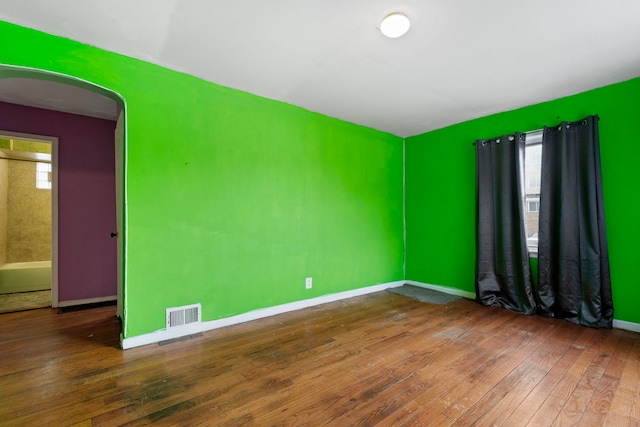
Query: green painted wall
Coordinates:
[233,199]
[440,188]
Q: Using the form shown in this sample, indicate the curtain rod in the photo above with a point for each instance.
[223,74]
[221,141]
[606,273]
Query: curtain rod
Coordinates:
[557,117]
[531,131]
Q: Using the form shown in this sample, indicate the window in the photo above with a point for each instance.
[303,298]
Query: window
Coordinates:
[532,175]
[533,182]
[43,175]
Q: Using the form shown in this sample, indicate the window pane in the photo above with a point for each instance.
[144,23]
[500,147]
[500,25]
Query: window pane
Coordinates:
[43,175]
[532,175]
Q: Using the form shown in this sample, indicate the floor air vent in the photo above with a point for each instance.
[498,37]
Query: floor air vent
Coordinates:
[179,316]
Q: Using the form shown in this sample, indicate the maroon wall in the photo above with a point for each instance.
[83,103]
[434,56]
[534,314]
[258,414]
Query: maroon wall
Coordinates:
[86,196]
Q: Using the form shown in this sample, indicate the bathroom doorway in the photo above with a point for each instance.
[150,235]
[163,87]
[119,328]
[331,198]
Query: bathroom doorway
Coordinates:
[26,221]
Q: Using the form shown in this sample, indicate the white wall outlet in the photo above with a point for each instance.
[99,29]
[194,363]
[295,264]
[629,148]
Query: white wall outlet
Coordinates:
[308,282]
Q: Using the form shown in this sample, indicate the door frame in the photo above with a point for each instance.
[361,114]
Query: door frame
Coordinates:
[119,141]
[53,140]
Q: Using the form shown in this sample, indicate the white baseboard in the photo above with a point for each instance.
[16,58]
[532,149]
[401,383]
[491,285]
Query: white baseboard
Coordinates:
[620,324]
[181,331]
[629,326]
[86,301]
[443,289]
[164,334]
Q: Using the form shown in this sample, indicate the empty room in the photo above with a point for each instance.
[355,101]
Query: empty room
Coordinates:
[319,213]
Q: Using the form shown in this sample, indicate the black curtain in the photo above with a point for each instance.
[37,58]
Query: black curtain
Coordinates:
[503,274]
[573,259]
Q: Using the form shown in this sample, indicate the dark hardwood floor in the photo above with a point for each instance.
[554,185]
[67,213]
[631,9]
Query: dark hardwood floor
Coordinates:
[381,359]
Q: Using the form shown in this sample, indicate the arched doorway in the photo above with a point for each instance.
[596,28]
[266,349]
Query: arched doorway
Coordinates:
[75,97]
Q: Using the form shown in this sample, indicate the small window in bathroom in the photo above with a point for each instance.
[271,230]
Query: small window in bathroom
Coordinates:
[43,175]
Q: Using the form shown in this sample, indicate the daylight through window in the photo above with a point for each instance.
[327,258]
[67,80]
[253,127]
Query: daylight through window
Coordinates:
[43,175]
[532,174]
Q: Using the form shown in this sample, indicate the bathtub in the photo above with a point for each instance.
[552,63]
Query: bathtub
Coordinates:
[25,276]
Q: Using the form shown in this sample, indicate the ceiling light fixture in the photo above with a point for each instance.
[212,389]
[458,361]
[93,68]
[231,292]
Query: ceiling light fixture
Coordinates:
[395,25]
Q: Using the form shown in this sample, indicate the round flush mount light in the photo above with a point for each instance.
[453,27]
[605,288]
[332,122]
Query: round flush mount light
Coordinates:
[395,25]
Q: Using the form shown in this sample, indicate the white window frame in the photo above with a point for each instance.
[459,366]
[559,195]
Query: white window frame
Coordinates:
[532,138]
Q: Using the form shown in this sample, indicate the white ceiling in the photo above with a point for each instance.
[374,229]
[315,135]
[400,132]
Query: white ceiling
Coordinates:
[461,59]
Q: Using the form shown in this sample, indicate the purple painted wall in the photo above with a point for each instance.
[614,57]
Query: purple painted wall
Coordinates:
[86,196]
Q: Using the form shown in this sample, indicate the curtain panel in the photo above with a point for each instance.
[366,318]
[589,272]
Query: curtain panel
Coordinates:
[503,274]
[573,259]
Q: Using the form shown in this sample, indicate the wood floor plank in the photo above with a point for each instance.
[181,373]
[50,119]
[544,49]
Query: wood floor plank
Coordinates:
[413,353]
[596,411]
[633,381]
[532,402]
[588,343]
[380,359]
[516,362]
[499,351]
[510,397]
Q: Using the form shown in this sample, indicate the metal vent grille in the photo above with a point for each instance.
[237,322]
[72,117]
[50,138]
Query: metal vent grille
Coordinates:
[179,316]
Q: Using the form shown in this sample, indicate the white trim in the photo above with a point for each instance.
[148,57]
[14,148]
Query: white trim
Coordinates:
[87,301]
[620,324]
[629,326]
[443,289]
[119,140]
[177,332]
[59,78]
[55,295]
[192,328]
